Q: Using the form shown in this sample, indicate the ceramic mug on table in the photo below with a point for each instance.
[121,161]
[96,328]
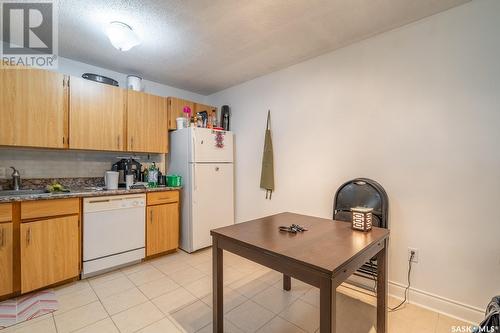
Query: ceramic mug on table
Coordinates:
[111,180]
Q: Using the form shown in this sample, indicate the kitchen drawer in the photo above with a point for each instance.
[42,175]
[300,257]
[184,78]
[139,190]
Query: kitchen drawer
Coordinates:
[5,212]
[47,208]
[158,198]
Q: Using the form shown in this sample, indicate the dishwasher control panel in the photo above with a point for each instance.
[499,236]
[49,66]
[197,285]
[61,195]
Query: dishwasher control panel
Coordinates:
[99,204]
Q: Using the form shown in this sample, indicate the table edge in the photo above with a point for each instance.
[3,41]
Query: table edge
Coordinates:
[317,268]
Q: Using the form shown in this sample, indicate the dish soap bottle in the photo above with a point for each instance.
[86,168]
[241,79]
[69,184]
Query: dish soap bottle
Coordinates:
[153,176]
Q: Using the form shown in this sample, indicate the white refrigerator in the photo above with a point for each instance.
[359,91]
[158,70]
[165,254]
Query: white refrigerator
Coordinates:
[204,159]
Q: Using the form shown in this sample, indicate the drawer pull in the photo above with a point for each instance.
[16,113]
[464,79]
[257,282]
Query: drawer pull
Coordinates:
[2,242]
[151,217]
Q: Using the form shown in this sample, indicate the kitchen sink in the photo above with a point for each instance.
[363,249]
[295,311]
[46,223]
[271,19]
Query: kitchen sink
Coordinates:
[20,192]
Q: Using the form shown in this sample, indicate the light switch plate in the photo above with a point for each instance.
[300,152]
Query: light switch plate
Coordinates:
[2,173]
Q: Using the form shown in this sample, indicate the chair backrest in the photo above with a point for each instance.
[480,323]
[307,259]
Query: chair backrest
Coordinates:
[361,192]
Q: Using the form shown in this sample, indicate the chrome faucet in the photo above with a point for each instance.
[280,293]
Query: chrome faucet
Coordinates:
[16,179]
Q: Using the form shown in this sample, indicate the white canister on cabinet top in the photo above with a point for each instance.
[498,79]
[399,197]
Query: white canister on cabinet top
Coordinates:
[134,82]
[181,122]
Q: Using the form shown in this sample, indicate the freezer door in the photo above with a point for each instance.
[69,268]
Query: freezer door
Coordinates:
[211,146]
[213,203]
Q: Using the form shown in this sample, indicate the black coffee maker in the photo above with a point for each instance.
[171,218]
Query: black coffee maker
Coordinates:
[127,166]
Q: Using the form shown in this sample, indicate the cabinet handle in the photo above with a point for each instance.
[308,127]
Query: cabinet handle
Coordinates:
[28,236]
[1,238]
[118,142]
[132,142]
[63,139]
[151,217]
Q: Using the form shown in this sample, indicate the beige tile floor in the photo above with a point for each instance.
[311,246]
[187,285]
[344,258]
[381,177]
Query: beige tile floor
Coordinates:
[173,294]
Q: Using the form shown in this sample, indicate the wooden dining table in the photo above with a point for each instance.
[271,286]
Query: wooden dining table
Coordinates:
[324,256]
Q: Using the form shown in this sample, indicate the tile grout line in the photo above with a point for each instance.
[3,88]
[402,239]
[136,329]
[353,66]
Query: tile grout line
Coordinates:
[150,301]
[54,321]
[100,301]
[184,306]
[288,321]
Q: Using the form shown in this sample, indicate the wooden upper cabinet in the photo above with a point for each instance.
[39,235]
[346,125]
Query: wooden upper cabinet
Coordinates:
[147,123]
[33,108]
[175,107]
[96,116]
[203,107]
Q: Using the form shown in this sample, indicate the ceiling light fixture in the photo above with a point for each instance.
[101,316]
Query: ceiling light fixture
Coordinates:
[122,36]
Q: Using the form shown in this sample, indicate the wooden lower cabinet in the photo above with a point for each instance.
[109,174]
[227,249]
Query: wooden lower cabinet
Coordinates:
[6,260]
[162,228]
[49,251]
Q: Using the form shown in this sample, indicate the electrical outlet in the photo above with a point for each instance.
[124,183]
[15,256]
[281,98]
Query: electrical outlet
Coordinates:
[415,256]
[2,173]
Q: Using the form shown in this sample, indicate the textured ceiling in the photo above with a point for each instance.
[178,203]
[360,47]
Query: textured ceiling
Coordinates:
[207,45]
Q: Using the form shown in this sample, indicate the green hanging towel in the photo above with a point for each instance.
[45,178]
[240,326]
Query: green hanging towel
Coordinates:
[267,173]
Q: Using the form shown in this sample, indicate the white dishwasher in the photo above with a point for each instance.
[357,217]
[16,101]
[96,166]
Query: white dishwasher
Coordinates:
[113,232]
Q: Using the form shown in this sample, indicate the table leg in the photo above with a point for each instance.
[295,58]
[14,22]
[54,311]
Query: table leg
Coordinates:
[287,282]
[327,306]
[217,291]
[382,289]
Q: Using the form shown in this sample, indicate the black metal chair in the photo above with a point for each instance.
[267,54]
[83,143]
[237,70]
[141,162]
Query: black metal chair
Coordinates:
[362,192]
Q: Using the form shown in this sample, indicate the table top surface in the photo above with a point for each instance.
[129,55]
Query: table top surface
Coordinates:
[327,245]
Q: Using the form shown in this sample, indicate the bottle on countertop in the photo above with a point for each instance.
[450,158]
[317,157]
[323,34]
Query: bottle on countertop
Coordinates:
[153,176]
[213,118]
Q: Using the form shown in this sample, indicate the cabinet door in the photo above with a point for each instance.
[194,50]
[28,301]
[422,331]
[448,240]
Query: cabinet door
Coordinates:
[147,128]
[49,252]
[175,107]
[6,278]
[162,228]
[203,107]
[33,108]
[96,116]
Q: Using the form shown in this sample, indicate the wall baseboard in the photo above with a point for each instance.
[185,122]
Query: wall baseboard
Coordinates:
[438,303]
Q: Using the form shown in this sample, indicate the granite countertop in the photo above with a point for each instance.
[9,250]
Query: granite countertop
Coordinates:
[79,193]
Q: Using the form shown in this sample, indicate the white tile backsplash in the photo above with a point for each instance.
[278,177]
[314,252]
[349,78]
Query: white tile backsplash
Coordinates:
[42,163]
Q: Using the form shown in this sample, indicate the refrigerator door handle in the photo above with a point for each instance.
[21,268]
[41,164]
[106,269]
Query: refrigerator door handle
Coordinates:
[194,148]
[195,185]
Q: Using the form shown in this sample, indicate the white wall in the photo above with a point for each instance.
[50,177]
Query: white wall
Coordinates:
[76,68]
[417,109]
